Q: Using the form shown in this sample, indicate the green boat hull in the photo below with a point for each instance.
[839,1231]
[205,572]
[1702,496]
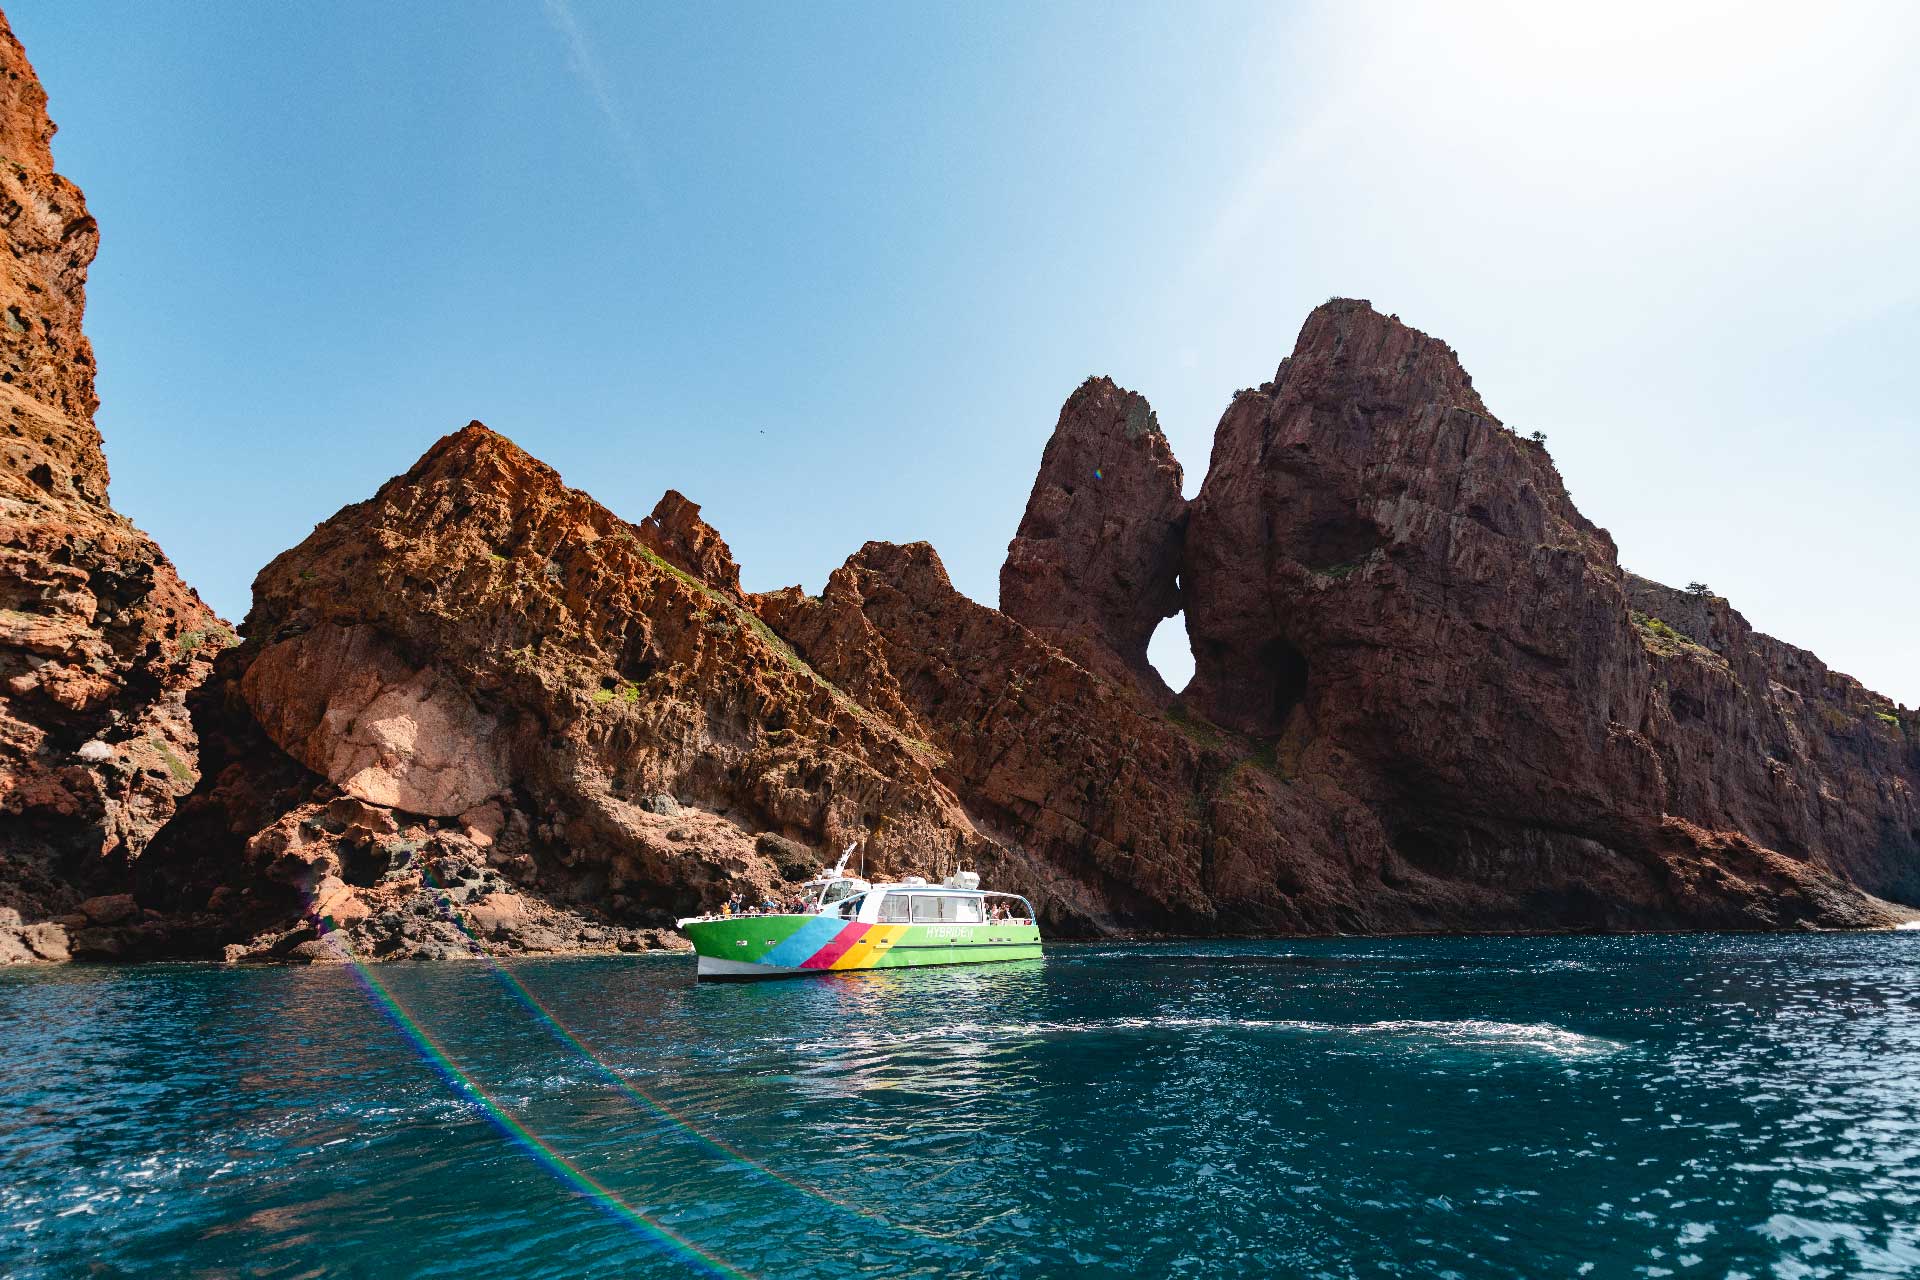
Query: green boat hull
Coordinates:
[798,945]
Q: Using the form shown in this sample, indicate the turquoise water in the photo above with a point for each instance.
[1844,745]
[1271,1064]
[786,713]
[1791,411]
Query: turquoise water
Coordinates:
[1728,1106]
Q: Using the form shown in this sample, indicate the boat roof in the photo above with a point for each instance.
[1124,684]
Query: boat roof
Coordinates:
[902,886]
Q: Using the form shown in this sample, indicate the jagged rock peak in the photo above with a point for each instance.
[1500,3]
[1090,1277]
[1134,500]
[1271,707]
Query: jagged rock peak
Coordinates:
[1347,334]
[477,454]
[1095,563]
[676,531]
[1370,448]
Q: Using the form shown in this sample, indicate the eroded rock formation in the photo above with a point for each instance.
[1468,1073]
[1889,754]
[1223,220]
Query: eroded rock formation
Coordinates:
[1375,563]
[1427,698]
[99,639]
[1095,564]
[479,639]
[480,712]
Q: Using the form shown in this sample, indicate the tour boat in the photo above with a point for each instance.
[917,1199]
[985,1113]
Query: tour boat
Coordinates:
[849,923]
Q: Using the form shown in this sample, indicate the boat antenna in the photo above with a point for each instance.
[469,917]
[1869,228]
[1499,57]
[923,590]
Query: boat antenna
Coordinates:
[841,865]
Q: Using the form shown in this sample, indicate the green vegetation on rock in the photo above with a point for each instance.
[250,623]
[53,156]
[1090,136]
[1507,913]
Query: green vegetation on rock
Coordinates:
[218,637]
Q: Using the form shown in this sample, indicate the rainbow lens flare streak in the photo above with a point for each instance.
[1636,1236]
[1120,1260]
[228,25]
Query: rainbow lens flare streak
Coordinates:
[464,1086]
[553,1024]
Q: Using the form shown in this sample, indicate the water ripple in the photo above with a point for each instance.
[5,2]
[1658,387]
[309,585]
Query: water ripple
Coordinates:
[1468,1107]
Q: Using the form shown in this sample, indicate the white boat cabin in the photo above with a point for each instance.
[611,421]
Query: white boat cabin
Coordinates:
[959,900]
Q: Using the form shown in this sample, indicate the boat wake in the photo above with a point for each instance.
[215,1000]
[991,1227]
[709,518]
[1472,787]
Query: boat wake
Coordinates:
[1471,1034]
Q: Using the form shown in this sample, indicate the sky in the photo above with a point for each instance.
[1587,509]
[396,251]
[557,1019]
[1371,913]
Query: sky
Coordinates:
[831,270]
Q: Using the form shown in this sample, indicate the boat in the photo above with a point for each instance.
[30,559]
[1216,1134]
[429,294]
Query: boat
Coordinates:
[847,923]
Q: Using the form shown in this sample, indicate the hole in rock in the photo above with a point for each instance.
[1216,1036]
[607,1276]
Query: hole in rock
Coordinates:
[1170,652]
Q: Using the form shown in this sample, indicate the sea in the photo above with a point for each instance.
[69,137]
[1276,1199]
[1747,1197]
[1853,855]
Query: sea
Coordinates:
[1726,1106]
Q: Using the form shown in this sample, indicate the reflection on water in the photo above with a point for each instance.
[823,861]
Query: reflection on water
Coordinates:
[1475,1107]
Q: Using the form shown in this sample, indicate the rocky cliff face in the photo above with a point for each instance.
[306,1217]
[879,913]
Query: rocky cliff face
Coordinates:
[479,711]
[589,710]
[1095,565]
[1757,736]
[99,639]
[1426,697]
[1377,564]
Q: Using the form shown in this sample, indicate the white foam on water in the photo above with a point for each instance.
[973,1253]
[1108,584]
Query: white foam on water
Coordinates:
[1535,1037]
[1907,926]
[1541,1036]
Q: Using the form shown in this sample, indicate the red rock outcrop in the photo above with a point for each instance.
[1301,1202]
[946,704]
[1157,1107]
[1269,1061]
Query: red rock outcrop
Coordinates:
[1427,698]
[1757,736]
[1117,816]
[677,533]
[479,636]
[480,712]
[1095,564]
[99,639]
[1376,566]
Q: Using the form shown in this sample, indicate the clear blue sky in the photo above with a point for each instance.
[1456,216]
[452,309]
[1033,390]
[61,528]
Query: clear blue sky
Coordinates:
[830,270]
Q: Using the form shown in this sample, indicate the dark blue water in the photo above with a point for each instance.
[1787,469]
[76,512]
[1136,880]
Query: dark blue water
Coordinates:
[1724,1107]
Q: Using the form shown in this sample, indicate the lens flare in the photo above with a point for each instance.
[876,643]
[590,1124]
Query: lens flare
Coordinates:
[548,1019]
[545,1155]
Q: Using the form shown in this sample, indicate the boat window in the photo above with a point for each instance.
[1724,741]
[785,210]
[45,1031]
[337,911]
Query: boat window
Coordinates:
[960,910]
[836,891]
[926,907]
[893,909]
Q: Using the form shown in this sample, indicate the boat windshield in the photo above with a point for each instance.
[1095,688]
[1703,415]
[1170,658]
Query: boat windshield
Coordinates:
[838,890]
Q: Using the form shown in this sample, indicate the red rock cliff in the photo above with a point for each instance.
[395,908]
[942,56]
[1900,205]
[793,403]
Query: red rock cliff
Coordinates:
[1426,694]
[1095,564]
[586,709]
[99,639]
[1426,698]
[1375,564]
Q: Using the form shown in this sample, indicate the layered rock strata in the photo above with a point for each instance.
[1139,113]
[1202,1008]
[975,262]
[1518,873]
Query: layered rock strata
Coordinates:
[99,639]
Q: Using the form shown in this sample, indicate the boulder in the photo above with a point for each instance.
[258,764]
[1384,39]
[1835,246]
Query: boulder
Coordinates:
[344,703]
[793,860]
[112,908]
[46,941]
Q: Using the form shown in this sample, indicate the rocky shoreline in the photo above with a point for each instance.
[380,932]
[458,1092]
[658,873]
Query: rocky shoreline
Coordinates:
[478,712]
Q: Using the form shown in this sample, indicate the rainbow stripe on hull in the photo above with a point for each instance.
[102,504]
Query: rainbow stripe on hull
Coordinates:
[797,945]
